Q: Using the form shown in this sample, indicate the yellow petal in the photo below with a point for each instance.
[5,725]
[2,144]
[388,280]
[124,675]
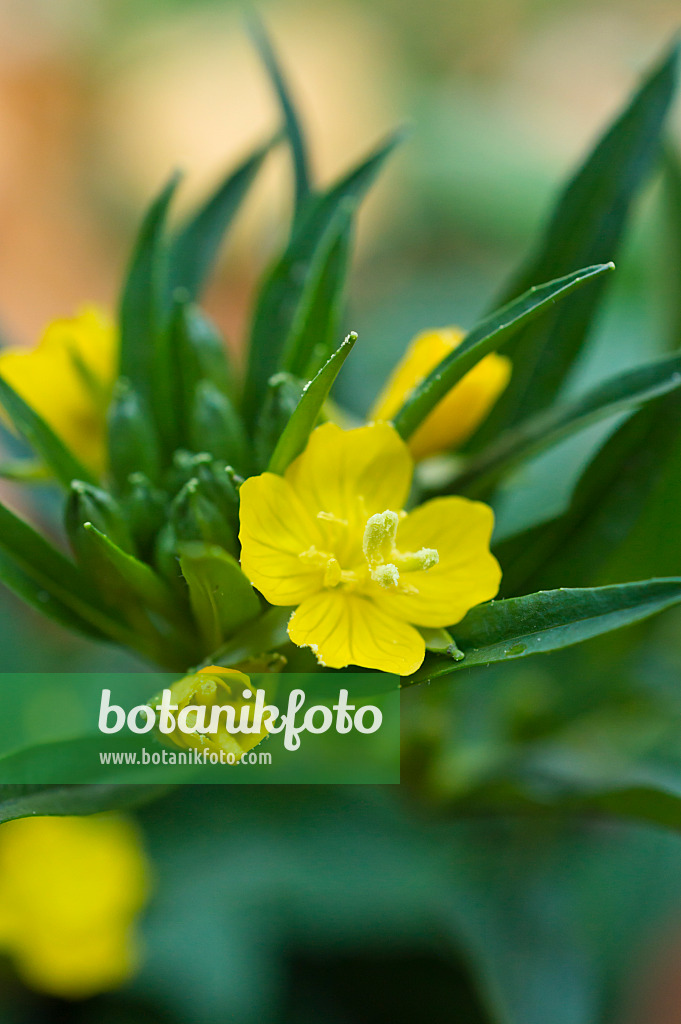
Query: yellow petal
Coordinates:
[351,474]
[462,410]
[466,574]
[344,628]
[48,378]
[275,528]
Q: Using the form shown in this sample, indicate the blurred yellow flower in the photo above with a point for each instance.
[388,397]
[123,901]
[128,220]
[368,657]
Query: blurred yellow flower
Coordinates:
[210,687]
[69,892]
[460,412]
[331,536]
[67,379]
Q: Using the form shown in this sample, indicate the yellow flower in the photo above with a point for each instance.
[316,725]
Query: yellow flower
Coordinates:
[67,379]
[460,412]
[207,688]
[330,536]
[69,892]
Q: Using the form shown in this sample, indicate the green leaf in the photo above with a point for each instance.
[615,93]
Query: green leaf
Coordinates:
[143,301]
[634,387]
[47,604]
[27,801]
[550,620]
[195,247]
[491,334]
[313,334]
[294,131]
[299,427]
[221,597]
[284,286]
[267,633]
[587,227]
[138,577]
[44,442]
[44,577]
[622,518]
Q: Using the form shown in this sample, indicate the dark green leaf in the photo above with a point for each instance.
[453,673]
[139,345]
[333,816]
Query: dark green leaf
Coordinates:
[549,620]
[300,425]
[622,519]
[25,801]
[221,597]
[45,443]
[267,633]
[291,120]
[284,286]
[491,334]
[587,227]
[143,301]
[196,245]
[316,328]
[634,387]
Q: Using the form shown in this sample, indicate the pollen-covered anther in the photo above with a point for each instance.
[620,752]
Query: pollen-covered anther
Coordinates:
[379,537]
[386,575]
[412,561]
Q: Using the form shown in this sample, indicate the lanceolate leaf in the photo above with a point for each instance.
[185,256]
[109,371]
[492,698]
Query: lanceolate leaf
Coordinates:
[197,243]
[45,443]
[316,328]
[549,620]
[143,304]
[284,287]
[25,801]
[221,597]
[43,601]
[587,227]
[293,128]
[560,421]
[491,334]
[29,557]
[301,423]
[622,519]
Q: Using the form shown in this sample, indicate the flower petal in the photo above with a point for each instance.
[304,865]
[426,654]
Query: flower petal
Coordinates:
[344,628]
[352,474]
[466,574]
[275,529]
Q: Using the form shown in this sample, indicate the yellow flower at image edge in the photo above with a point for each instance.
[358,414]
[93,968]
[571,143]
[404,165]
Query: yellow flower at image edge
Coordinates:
[67,379]
[460,412]
[69,892]
[331,537]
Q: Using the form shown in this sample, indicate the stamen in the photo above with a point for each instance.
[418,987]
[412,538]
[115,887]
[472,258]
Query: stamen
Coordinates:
[386,575]
[379,537]
[411,561]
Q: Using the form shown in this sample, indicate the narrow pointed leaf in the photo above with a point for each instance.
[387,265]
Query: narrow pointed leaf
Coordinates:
[622,519]
[42,439]
[221,597]
[490,335]
[140,578]
[196,245]
[314,333]
[550,620]
[143,304]
[587,226]
[302,422]
[294,131]
[545,429]
[285,284]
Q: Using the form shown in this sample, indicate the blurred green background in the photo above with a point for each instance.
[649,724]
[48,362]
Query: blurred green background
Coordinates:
[421,902]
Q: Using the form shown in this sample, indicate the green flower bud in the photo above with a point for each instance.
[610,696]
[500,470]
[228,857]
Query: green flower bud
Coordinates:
[89,504]
[216,427]
[133,442]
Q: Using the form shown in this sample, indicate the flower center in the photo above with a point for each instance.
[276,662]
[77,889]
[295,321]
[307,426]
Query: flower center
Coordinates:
[383,562]
[383,557]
